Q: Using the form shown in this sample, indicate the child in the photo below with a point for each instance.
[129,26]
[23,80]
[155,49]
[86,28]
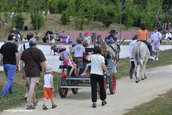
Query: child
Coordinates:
[88,38]
[131,45]
[48,89]
[78,51]
[73,45]
[85,44]
[97,67]
[54,48]
[67,59]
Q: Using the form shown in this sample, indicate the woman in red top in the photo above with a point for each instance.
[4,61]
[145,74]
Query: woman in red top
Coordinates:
[143,35]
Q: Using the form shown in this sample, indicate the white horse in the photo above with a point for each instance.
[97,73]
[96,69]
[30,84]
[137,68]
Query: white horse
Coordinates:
[141,55]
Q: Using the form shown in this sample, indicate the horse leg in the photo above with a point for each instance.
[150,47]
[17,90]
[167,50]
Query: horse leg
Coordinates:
[144,69]
[138,73]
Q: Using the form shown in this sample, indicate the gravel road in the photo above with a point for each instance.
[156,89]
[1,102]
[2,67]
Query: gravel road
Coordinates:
[128,95]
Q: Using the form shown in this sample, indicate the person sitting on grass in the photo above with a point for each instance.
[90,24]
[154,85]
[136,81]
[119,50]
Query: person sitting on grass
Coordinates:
[97,75]
[48,89]
[67,59]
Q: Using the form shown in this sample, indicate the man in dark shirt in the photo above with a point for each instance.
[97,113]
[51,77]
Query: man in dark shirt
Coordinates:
[10,59]
[34,59]
[111,38]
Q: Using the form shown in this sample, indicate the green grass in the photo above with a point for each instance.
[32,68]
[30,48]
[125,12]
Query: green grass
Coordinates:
[162,105]
[17,98]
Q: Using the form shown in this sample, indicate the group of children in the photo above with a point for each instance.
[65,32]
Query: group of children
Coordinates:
[94,59]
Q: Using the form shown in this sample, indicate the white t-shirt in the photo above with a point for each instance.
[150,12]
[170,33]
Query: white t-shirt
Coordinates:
[47,80]
[155,36]
[131,45]
[168,35]
[96,64]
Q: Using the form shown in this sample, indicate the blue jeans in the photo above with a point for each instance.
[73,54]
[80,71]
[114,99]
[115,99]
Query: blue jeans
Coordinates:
[10,71]
[149,46]
[132,67]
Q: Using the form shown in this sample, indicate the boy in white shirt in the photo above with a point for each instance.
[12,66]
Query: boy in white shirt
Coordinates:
[97,75]
[48,89]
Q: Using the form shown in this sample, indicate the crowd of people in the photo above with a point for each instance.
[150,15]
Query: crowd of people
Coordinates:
[32,62]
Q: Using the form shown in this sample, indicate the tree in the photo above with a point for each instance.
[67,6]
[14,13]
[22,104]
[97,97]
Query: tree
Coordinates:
[18,20]
[65,17]
[129,14]
[37,20]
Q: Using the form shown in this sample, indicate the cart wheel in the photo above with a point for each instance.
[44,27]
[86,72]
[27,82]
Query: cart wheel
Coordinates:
[75,90]
[62,91]
[112,84]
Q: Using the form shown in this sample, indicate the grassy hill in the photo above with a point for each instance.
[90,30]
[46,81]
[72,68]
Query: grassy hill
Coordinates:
[53,21]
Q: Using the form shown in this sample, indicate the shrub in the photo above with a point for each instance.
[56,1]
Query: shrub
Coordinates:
[65,17]
[18,20]
[37,20]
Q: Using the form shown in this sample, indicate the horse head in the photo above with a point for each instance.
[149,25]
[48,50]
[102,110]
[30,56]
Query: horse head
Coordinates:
[114,49]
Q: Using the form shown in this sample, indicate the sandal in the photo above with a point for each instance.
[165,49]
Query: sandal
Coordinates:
[30,107]
[54,106]
[83,74]
[44,107]
[35,103]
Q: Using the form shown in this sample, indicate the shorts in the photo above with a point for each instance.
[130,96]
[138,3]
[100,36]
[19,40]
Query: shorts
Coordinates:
[79,62]
[48,93]
[66,62]
[34,80]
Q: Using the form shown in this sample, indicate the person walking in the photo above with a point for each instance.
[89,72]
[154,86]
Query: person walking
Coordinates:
[23,47]
[34,61]
[48,89]
[131,45]
[156,38]
[97,75]
[10,64]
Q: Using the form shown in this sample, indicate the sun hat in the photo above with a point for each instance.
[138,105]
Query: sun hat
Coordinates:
[48,70]
[113,31]
[61,47]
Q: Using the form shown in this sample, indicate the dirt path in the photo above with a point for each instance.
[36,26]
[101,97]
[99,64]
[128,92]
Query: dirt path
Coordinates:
[128,95]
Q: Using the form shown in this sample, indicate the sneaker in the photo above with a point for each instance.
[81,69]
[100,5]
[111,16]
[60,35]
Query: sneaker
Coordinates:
[28,107]
[104,103]
[25,96]
[83,74]
[44,107]
[131,75]
[151,57]
[94,105]
[54,106]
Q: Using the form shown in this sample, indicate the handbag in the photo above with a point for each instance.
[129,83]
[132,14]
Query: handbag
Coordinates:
[35,60]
